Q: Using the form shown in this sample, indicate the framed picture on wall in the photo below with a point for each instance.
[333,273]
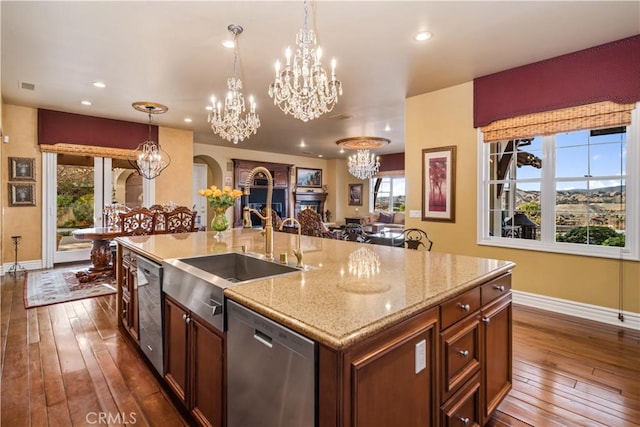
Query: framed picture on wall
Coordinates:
[355,194]
[22,169]
[439,184]
[22,194]
[308,177]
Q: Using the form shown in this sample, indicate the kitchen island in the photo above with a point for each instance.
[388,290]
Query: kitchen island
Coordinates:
[403,337]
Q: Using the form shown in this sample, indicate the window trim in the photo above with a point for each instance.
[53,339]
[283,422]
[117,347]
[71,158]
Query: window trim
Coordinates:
[632,233]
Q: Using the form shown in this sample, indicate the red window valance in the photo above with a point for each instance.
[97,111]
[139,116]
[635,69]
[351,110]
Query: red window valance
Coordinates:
[609,72]
[57,127]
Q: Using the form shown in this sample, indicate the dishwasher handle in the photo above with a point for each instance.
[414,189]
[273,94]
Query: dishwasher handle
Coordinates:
[263,338]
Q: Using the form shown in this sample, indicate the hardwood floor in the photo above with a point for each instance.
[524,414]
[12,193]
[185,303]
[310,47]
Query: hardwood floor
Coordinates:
[68,364]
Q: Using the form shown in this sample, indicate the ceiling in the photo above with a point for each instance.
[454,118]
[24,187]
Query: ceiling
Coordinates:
[171,53]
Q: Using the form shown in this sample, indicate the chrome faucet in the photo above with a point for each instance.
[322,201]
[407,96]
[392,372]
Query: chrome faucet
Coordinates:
[298,251]
[246,212]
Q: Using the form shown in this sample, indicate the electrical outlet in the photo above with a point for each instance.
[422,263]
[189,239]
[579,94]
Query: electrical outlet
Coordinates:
[421,356]
[414,214]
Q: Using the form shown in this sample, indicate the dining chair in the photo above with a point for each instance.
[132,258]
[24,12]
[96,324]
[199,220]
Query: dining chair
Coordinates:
[415,238]
[138,222]
[311,225]
[159,211]
[179,220]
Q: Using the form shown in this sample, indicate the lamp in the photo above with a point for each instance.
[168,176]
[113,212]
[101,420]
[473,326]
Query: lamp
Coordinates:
[148,159]
[230,123]
[363,164]
[302,88]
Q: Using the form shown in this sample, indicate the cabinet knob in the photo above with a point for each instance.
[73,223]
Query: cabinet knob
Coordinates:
[463,353]
[486,320]
[464,307]
[464,420]
[499,288]
[188,319]
[124,312]
[184,317]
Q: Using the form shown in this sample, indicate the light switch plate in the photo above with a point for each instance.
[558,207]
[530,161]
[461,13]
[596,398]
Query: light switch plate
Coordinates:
[414,214]
[421,356]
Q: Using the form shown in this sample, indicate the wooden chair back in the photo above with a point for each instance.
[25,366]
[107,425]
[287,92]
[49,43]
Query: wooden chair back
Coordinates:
[138,222]
[311,225]
[179,220]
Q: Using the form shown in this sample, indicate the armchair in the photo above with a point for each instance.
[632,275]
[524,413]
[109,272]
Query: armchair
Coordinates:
[311,225]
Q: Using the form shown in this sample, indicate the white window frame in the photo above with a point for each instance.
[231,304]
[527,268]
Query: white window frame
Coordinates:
[391,177]
[547,241]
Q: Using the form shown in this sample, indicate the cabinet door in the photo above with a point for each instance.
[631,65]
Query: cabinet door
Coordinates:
[207,367]
[393,383]
[134,326]
[175,347]
[496,340]
[463,410]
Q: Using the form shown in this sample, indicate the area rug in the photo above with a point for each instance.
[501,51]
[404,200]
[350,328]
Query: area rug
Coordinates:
[45,287]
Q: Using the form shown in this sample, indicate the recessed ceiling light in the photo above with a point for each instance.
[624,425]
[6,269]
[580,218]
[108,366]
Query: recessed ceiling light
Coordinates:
[423,35]
[208,108]
[100,85]
[320,155]
[342,151]
[85,102]
[188,120]
[387,128]
[302,143]
[229,44]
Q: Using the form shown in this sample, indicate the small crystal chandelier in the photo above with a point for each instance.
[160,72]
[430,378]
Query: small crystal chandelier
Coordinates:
[302,89]
[363,164]
[148,159]
[230,123]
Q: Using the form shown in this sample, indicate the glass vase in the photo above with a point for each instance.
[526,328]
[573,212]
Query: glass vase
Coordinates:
[219,222]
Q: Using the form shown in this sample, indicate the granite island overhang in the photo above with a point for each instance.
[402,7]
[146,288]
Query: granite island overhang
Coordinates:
[350,291]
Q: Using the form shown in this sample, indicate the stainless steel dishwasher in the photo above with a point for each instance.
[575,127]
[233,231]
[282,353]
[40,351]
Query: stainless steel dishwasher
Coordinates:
[150,311]
[271,372]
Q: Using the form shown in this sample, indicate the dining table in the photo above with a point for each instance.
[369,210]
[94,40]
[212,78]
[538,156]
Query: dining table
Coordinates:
[100,251]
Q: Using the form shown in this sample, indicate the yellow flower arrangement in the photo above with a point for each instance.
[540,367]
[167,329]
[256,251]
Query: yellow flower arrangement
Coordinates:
[218,198]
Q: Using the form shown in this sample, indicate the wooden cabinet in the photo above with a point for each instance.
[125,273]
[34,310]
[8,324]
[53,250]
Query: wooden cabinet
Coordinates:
[127,281]
[389,379]
[496,341]
[194,361]
[475,353]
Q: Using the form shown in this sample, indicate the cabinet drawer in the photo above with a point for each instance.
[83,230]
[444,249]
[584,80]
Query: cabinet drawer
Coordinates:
[459,307]
[495,289]
[463,409]
[460,354]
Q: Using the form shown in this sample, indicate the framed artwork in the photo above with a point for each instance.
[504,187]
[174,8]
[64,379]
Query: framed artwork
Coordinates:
[308,177]
[355,194]
[22,194]
[439,184]
[22,169]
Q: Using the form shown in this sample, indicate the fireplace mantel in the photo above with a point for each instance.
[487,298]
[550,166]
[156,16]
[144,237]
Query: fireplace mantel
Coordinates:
[315,200]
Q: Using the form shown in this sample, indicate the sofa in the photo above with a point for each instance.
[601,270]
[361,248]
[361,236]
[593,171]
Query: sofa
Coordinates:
[385,219]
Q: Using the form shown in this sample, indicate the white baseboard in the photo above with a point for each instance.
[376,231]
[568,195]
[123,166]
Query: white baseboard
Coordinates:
[27,265]
[578,309]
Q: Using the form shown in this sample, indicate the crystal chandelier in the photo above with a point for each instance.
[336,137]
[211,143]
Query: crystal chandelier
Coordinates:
[302,88]
[148,159]
[229,122]
[363,164]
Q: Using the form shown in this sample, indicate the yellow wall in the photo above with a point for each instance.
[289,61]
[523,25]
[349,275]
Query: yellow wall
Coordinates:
[445,117]
[176,182]
[20,124]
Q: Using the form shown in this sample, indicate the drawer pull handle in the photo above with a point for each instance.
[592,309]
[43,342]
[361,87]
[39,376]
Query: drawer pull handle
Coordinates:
[464,307]
[463,353]
[486,320]
[464,420]
[499,288]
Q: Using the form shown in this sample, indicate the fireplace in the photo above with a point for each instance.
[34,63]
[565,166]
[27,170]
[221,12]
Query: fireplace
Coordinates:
[310,200]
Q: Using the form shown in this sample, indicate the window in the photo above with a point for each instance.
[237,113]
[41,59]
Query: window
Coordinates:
[574,192]
[388,194]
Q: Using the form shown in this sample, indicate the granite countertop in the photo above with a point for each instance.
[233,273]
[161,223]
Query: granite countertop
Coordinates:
[349,291]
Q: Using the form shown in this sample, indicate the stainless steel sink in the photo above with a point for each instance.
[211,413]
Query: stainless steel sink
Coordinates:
[235,267]
[198,283]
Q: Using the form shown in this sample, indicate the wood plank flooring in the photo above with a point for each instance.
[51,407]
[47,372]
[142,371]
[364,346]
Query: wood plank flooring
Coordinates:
[68,364]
